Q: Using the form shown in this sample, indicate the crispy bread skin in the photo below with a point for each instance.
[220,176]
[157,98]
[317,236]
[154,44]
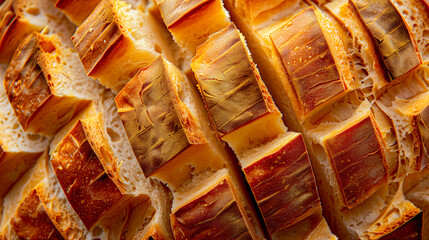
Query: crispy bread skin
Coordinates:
[117,39]
[87,187]
[392,34]
[31,220]
[358,160]
[147,111]
[221,219]
[33,85]
[14,27]
[76,11]
[412,229]
[234,97]
[283,185]
[313,73]
[414,12]
[191,22]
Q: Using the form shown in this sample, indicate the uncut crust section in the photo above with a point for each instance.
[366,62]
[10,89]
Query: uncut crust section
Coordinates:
[152,124]
[213,215]
[76,10]
[229,82]
[308,61]
[98,35]
[283,185]
[395,42]
[31,220]
[358,161]
[85,183]
[191,22]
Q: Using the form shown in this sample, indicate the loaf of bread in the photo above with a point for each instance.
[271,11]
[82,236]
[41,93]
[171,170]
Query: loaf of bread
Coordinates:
[214,119]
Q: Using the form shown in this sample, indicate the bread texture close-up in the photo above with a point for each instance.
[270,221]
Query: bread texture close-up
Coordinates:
[214,119]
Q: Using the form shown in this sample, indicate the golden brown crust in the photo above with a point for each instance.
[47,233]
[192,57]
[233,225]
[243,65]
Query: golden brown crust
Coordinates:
[423,126]
[31,220]
[32,84]
[284,186]
[191,22]
[410,230]
[307,59]
[229,82]
[25,82]
[367,68]
[358,160]
[13,29]
[85,183]
[214,215]
[150,120]
[179,10]
[76,10]
[96,37]
[392,35]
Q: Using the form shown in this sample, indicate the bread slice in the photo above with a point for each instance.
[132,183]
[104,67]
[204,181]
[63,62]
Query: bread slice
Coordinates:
[239,105]
[404,102]
[213,211]
[352,148]
[415,15]
[76,11]
[21,189]
[20,18]
[87,187]
[318,72]
[108,140]
[191,22]
[395,42]
[367,65]
[116,40]
[59,209]
[19,150]
[45,85]
[165,125]
[367,213]
[256,20]
[282,181]
[31,220]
